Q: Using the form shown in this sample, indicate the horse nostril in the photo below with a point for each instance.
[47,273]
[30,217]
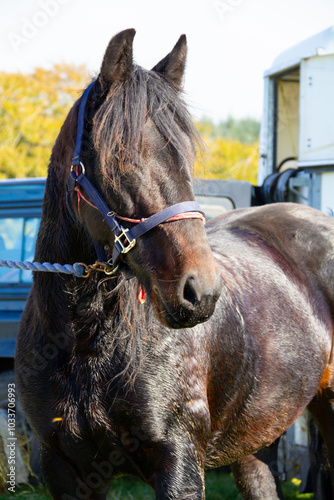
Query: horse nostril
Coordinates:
[190,294]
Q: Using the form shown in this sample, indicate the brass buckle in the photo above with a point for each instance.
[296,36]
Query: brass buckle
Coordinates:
[127,245]
[103,267]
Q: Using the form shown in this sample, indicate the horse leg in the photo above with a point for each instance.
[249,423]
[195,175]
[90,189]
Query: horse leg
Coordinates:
[178,485]
[180,475]
[65,483]
[256,476]
[322,410]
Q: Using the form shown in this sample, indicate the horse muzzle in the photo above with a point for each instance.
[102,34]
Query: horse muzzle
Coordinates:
[192,301]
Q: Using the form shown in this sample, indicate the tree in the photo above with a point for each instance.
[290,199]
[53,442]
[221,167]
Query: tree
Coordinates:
[32,110]
[245,130]
[226,158]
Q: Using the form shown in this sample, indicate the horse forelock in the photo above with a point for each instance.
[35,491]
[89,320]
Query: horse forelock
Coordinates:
[118,124]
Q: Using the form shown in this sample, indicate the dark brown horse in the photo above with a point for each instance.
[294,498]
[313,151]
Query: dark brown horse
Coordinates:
[233,342]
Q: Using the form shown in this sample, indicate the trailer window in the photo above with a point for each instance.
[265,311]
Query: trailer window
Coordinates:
[287,118]
[17,242]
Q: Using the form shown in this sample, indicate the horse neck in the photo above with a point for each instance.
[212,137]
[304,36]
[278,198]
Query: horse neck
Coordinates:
[106,313]
[94,311]
[60,238]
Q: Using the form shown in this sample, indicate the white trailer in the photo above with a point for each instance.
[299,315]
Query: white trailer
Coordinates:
[297,164]
[297,129]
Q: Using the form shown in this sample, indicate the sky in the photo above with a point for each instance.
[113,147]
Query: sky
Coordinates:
[230,42]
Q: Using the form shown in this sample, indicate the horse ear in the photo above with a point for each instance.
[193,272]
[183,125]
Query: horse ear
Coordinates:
[117,63]
[173,65]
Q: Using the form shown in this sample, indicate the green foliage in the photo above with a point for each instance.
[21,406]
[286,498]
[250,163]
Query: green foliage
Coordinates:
[232,150]
[229,159]
[32,110]
[245,130]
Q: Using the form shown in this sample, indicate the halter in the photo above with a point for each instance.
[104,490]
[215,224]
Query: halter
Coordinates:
[125,239]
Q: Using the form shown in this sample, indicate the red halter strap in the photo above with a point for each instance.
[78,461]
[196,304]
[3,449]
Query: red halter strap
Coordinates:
[184,215]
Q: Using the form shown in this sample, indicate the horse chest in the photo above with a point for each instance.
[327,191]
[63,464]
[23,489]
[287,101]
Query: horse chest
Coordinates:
[113,416]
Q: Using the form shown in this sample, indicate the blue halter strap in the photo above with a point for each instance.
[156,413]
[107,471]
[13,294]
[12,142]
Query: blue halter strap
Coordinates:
[125,239]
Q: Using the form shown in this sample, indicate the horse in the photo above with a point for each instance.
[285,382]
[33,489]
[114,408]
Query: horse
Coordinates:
[200,344]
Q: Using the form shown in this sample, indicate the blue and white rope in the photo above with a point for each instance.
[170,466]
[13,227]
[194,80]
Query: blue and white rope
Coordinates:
[77,269]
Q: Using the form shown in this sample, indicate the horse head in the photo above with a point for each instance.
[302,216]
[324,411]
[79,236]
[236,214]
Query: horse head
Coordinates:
[139,150]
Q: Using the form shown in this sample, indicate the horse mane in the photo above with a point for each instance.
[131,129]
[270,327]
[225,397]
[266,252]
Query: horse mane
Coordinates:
[118,125]
[112,325]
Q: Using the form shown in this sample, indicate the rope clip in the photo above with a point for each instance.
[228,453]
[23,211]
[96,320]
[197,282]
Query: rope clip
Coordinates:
[103,267]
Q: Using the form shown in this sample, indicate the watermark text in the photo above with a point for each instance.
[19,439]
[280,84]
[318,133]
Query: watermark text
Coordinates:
[11,439]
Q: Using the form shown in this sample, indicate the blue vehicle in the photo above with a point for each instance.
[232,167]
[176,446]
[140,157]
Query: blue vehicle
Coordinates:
[20,213]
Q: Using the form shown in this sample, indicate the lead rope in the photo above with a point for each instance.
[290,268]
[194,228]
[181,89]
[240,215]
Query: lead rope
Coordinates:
[79,269]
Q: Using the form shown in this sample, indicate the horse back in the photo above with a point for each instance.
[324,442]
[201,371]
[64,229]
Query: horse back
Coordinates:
[300,238]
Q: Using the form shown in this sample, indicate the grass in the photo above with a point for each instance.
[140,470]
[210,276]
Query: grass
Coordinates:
[219,485]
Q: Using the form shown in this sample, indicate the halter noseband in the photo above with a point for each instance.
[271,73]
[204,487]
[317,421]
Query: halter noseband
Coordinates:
[125,239]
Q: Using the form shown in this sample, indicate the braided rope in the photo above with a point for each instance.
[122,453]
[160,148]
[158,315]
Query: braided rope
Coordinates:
[77,269]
